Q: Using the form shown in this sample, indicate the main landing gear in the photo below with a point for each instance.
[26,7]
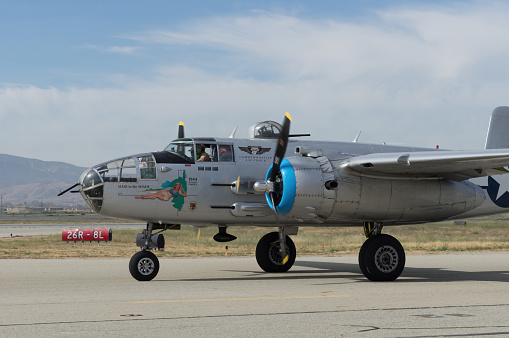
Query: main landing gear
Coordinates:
[382,257]
[275,252]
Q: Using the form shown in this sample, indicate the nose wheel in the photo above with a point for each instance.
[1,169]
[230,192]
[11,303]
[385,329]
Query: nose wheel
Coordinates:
[144,266]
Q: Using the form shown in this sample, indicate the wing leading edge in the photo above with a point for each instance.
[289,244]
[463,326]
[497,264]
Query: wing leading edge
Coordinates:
[454,165]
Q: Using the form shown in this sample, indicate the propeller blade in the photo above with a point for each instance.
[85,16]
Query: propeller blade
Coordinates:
[181,130]
[281,147]
[66,190]
[271,194]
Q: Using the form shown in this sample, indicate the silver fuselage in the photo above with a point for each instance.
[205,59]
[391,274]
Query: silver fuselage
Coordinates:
[221,192]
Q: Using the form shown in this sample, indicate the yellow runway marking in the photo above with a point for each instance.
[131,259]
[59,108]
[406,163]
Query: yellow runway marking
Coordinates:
[235,299]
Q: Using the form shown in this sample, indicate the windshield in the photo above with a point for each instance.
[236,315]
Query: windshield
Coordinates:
[184,149]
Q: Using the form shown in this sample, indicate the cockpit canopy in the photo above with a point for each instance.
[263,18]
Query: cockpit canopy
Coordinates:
[265,130]
[199,150]
[183,148]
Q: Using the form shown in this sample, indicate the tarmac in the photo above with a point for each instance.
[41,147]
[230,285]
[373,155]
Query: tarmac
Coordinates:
[449,295]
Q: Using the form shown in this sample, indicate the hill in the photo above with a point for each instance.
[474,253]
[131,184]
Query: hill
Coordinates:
[32,181]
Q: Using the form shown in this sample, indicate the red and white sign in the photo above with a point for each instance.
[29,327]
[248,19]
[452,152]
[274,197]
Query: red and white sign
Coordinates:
[86,235]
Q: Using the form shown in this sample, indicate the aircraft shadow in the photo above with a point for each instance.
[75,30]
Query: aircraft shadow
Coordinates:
[350,273]
[413,274]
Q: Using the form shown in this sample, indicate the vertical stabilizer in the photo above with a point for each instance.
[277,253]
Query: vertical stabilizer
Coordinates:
[498,132]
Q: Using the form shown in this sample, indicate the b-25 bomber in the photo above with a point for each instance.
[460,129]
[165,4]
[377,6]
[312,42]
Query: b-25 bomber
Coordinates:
[276,179]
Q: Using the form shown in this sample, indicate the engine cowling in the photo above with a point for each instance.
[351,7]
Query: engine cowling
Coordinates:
[305,194]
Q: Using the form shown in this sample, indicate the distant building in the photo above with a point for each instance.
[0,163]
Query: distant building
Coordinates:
[29,210]
[20,210]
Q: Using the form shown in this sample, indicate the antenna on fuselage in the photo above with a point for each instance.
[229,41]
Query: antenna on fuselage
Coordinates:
[357,137]
[233,132]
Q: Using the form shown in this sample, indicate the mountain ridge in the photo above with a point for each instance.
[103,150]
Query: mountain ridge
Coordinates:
[28,181]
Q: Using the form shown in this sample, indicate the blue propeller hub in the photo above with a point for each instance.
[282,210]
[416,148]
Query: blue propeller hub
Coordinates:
[289,188]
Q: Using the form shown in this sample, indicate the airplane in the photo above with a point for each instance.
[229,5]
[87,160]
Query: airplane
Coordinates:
[275,179]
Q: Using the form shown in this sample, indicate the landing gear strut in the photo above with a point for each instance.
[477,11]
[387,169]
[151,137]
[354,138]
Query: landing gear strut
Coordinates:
[269,253]
[381,257]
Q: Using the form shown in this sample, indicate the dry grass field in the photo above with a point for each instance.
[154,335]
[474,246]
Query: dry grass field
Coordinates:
[476,235]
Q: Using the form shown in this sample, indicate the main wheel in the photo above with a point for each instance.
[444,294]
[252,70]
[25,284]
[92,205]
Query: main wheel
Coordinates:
[144,266]
[384,258]
[268,255]
[362,256]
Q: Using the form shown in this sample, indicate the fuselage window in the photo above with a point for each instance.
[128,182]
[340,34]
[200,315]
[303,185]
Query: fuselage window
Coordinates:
[128,170]
[225,152]
[147,167]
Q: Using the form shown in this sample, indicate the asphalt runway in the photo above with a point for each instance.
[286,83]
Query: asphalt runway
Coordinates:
[438,295]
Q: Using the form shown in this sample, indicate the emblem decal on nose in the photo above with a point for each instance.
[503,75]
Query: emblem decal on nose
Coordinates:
[175,191]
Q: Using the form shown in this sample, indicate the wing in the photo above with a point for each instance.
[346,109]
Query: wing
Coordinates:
[454,165]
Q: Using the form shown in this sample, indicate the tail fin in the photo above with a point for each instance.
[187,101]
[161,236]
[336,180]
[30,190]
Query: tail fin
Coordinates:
[498,132]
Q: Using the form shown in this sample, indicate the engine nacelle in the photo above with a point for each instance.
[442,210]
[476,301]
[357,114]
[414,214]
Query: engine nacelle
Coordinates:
[308,189]
[403,201]
[315,190]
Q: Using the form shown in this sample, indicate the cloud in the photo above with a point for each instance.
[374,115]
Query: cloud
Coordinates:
[421,76]
[123,50]
[114,49]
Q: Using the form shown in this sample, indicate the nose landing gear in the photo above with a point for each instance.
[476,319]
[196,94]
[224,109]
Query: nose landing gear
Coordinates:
[144,265]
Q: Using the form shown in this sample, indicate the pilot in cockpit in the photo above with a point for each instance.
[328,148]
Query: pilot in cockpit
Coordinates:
[201,155]
[181,150]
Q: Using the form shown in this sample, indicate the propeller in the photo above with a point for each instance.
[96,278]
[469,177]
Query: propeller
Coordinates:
[181,130]
[272,183]
[272,186]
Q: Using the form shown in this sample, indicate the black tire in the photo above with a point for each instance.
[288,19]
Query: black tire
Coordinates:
[144,266]
[384,258]
[268,255]
[362,256]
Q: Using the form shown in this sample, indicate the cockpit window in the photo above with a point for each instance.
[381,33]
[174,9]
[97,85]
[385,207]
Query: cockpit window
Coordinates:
[225,152]
[109,172]
[206,152]
[184,149]
[265,130]
[147,167]
[128,170]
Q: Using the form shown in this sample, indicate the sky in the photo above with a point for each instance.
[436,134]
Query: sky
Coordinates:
[87,82]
